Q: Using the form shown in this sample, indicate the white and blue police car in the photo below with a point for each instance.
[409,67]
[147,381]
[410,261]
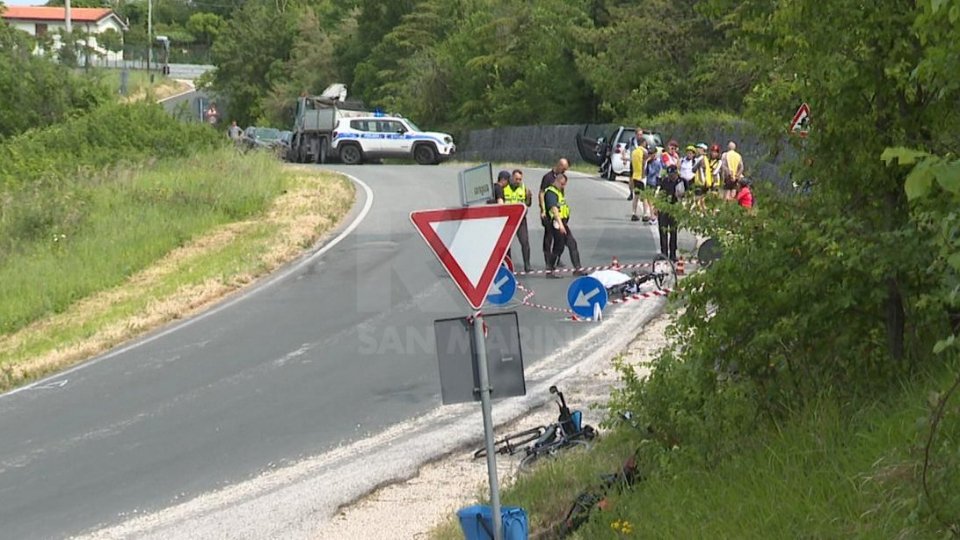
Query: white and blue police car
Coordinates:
[360,138]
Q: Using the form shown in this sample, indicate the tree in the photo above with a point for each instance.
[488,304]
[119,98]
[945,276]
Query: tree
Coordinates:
[205,27]
[250,55]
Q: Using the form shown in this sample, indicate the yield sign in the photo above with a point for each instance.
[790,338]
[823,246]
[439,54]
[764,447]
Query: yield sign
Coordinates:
[470,242]
[801,121]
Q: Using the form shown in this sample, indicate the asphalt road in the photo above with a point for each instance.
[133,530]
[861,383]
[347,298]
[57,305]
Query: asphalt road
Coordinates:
[337,347]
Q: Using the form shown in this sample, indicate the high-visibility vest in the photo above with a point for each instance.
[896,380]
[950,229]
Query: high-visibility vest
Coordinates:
[514,195]
[561,202]
[704,175]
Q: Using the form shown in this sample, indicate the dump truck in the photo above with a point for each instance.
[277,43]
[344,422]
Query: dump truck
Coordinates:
[315,119]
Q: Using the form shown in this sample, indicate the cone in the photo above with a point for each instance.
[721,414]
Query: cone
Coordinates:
[680,266]
[615,263]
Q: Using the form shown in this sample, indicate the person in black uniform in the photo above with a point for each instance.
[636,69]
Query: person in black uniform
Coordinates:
[516,192]
[547,181]
[559,214]
[667,224]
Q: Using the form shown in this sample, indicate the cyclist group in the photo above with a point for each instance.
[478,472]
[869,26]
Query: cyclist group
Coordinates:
[702,169]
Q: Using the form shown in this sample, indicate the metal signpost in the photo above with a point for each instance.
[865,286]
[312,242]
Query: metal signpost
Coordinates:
[471,243]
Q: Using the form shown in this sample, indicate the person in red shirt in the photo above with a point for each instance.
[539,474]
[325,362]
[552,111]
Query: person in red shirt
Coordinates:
[744,196]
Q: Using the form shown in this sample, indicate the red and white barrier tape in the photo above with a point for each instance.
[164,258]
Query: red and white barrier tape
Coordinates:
[640,296]
[625,266]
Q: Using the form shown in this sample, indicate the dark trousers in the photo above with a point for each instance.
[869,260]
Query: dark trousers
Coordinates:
[524,236]
[559,242]
[667,227]
[547,241]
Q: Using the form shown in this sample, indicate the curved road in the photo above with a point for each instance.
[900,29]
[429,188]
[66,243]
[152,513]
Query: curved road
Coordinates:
[336,347]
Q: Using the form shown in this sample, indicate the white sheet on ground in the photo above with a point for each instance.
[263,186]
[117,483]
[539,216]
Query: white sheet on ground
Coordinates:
[610,278]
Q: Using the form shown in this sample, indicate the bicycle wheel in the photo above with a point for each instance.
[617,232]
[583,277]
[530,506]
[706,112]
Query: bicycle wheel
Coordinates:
[664,273]
[511,444]
[708,252]
[550,451]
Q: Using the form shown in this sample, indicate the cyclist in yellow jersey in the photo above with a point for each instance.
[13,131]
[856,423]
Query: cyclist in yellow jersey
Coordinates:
[638,161]
[731,168]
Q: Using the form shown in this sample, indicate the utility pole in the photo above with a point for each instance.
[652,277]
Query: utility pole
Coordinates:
[149,37]
[69,23]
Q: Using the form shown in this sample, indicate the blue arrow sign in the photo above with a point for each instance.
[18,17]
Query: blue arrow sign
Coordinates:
[584,293]
[503,288]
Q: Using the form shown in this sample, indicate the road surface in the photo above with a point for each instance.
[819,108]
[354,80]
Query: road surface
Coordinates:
[337,347]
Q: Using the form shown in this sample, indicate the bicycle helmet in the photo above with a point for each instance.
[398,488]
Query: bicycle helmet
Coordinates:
[702,146]
[715,147]
[690,148]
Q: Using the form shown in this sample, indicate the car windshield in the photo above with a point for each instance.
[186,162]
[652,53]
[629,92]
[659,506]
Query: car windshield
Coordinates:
[411,125]
[268,134]
[626,135]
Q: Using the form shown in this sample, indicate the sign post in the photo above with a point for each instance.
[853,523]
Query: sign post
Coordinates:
[487,411]
[471,243]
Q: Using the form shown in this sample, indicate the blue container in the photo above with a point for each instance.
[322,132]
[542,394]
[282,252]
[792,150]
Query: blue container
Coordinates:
[477,522]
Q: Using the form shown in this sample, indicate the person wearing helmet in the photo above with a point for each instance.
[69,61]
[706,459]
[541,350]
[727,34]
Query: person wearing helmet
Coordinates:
[672,189]
[703,176]
[714,155]
[672,155]
[744,195]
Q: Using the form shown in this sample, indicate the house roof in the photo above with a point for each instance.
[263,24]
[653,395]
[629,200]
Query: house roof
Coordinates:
[58,14]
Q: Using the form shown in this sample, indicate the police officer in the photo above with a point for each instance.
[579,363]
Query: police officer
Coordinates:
[672,188]
[559,215]
[516,192]
[547,181]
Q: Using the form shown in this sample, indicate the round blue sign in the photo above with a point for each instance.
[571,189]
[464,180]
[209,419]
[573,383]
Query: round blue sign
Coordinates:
[503,288]
[584,293]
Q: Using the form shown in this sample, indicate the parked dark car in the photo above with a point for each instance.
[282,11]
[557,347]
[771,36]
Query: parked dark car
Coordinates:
[261,138]
[612,154]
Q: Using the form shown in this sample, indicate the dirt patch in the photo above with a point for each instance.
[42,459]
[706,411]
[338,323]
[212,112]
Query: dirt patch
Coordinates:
[300,218]
[418,506]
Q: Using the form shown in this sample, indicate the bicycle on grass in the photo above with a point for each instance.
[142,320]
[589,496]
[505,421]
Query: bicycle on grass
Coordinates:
[543,441]
[596,497]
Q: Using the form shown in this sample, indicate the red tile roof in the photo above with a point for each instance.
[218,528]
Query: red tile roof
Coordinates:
[42,13]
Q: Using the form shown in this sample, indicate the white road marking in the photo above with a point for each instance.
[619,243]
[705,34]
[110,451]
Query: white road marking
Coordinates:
[274,278]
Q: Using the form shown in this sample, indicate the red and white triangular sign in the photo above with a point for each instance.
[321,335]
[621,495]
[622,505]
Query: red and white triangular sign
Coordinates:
[801,120]
[470,242]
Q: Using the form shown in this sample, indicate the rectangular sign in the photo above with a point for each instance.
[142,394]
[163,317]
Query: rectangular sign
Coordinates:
[476,184]
[457,355]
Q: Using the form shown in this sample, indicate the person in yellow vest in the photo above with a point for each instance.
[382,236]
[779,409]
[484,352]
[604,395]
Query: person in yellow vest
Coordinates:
[731,168]
[558,213]
[516,192]
[704,180]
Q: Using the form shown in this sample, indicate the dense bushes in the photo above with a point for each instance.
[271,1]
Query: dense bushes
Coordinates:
[43,173]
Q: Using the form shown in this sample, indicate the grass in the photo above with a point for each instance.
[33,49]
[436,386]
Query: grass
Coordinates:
[138,84]
[152,245]
[824,474]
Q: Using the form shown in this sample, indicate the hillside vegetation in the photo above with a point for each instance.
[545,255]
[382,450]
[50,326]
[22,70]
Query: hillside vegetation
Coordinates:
[811,388]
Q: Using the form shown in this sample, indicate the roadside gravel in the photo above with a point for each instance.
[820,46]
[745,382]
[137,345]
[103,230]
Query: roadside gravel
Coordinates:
[411,509]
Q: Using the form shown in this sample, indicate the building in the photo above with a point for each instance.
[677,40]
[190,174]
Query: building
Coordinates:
[42,21]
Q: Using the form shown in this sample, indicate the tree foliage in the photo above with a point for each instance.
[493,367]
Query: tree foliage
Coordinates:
[469,63]
[35,92]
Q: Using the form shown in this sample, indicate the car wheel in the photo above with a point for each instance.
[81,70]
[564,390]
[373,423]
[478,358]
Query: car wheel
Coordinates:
[425,154]
[350,154]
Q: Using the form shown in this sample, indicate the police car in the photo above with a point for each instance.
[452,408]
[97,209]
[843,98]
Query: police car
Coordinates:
[361,138]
